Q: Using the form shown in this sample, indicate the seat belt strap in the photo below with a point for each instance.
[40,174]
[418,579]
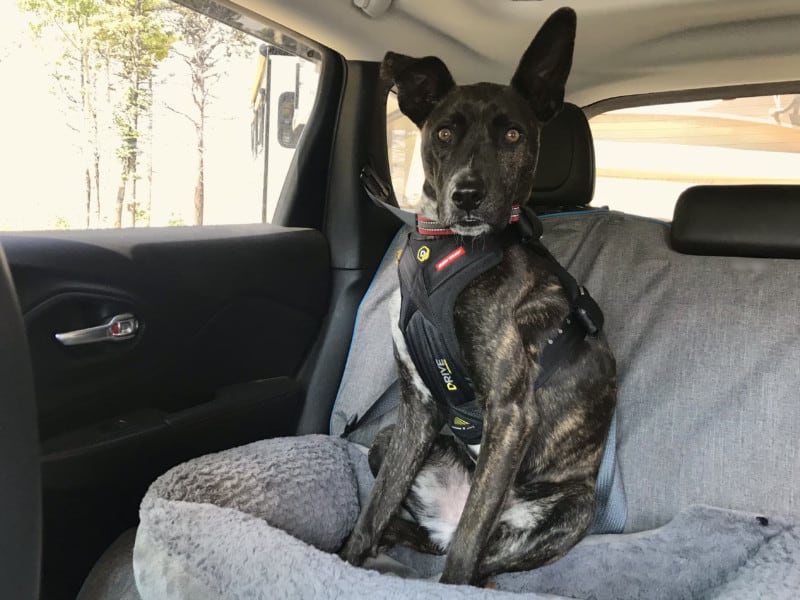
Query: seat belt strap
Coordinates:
[383,196]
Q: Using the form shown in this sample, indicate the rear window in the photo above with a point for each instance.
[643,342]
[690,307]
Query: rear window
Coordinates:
[646,156]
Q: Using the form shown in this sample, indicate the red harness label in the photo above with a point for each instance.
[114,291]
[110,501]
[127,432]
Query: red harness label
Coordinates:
[450,258]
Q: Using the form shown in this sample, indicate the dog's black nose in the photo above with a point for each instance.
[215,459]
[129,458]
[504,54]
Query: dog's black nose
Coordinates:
[468,195]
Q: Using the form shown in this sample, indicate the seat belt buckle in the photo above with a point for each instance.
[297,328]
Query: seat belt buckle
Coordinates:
[351,425]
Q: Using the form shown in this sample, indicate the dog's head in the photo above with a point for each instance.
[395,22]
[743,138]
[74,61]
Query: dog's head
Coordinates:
[480,142]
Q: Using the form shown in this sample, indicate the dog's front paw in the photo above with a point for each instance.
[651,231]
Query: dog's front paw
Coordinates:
[452,579]
[356,550]
[458,572]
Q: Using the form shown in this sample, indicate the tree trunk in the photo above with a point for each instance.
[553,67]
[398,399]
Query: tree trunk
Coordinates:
[149,205]
[134,203]
[133,158]
[98,207]
[199,188]
[120,199]
[86,110]
[127,183]
[88,198]
[135,107]
[96,152]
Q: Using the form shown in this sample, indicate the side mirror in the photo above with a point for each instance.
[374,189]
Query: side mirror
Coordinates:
[288,134]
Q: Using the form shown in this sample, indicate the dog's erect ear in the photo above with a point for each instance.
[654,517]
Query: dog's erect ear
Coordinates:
[542,73]
[421,83]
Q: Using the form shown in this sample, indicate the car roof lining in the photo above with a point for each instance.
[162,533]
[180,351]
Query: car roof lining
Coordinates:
[624,47]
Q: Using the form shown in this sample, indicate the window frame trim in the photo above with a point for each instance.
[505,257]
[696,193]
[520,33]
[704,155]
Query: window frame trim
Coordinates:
[691,95]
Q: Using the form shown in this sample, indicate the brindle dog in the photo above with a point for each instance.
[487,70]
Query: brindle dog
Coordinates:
[529,496]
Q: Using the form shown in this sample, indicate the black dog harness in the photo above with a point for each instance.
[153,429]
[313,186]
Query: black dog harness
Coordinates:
[434,268]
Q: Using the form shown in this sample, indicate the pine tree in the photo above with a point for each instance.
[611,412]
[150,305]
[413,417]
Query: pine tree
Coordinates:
[205,43]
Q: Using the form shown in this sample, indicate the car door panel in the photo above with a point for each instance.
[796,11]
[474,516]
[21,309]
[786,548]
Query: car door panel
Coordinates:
[216,306]
[95,454]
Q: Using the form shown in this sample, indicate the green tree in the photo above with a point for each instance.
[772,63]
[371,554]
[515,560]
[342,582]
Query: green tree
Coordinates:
[76,72]
[137,41]
[205,44]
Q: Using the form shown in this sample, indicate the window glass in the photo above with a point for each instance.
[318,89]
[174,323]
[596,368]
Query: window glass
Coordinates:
[135,113]
[647,156]
[405,162]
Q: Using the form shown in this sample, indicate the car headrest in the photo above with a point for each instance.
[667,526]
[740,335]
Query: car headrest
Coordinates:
[565,173]
[738,220]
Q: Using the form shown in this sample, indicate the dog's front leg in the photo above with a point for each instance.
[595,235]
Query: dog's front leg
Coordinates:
[418,422]
[509,423]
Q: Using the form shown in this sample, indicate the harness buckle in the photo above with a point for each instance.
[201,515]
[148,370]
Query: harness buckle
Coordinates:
[588,312]
[529,226]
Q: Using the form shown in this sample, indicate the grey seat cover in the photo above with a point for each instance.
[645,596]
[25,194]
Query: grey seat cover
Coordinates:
[709,367]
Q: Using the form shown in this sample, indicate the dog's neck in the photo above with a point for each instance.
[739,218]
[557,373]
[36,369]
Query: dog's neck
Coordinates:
[426,226]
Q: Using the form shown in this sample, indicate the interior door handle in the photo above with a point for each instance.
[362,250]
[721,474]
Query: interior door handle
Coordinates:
[118,329]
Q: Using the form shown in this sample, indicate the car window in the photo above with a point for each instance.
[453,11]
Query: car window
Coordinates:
[143,113]
[405,162]
[647,156]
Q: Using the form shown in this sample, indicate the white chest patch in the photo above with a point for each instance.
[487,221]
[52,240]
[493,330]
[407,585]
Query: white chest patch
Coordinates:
[442,491]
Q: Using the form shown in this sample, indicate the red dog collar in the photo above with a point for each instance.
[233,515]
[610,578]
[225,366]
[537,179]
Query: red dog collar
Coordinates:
[426,226]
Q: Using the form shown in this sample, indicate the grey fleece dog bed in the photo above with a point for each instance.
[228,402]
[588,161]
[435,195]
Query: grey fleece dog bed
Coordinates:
[259,521]
[262,521]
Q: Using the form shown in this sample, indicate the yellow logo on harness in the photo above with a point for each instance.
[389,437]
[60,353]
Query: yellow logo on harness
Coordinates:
[460,422]
[423,254]
[446,373]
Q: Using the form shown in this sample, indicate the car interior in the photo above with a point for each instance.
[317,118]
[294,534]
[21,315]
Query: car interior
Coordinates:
[222,336]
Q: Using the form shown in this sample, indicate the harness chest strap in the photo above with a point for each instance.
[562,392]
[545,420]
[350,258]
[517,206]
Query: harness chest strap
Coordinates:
[433,271]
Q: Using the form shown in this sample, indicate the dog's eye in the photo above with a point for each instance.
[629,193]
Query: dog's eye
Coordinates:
[445,134]
[513,136]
